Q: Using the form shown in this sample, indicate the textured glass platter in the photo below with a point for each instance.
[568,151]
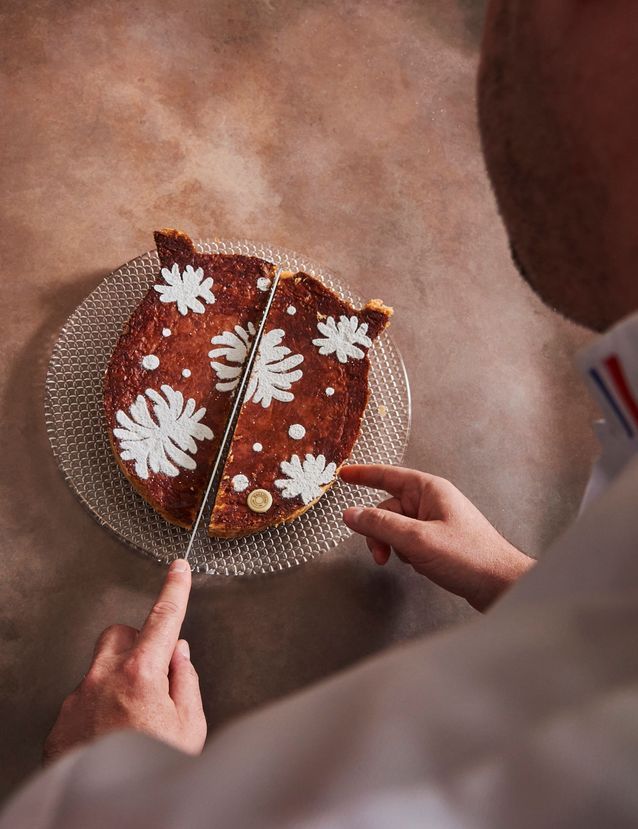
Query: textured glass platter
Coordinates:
[77,430]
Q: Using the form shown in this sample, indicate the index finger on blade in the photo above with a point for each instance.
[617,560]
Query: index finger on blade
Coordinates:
[161,629]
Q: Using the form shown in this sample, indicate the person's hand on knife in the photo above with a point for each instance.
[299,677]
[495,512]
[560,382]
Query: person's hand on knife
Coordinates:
[433,527]
[142,680]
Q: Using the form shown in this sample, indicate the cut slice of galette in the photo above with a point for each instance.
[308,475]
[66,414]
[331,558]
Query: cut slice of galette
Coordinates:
[166,408]
[303,406]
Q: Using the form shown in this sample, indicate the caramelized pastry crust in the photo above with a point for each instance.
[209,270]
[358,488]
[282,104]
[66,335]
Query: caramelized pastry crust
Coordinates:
[170,385]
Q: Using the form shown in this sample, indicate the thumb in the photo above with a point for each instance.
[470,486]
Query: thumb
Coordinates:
[184,682]
[405,534]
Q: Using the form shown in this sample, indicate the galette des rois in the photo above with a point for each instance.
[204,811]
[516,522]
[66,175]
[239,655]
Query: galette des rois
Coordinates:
[171,382]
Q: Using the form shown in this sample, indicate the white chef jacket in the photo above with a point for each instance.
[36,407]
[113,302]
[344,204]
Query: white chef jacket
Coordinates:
[526,717]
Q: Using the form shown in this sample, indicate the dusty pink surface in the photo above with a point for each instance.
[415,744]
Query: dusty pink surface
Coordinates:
[345,130]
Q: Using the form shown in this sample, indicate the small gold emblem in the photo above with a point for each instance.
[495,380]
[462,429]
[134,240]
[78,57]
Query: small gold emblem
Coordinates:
[259,500]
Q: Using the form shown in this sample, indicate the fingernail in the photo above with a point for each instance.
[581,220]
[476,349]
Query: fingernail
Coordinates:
[183,648]
[180,565]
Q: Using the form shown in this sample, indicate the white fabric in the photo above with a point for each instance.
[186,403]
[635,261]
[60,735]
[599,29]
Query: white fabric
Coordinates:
[527,717]
[618,431]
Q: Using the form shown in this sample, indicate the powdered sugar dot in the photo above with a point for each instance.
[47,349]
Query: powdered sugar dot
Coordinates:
[296,431]
[330,391]
[257,447]
[240,483]
[166,332]
[291,310]
[186,372]
[150,362]
[263,283]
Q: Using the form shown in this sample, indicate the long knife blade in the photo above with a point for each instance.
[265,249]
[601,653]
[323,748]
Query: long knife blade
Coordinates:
[239,399]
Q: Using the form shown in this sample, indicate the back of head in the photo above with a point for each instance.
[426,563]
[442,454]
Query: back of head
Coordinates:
[558,109]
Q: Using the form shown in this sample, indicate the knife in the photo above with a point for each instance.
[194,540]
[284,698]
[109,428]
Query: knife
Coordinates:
[239,399]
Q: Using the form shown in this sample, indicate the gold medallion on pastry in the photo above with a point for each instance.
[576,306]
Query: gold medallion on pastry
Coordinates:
[259,500]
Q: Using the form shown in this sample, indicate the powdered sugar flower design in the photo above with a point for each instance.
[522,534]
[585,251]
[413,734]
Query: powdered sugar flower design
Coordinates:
[305,479]
[162,442]
[273,372]
[342,338]
[234,346]
[187,288]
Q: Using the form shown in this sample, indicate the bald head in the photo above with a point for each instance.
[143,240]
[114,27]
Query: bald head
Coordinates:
[558,108]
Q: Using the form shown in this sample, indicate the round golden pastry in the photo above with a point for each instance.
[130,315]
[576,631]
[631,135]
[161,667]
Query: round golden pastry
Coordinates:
[259,500]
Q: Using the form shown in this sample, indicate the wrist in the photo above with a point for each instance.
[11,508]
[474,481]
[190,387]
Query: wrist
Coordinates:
[509,566]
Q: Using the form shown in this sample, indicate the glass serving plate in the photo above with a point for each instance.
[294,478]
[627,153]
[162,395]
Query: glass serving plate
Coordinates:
[77,430]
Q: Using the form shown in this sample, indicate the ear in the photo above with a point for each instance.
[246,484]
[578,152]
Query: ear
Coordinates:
[377,315]
[173,246]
